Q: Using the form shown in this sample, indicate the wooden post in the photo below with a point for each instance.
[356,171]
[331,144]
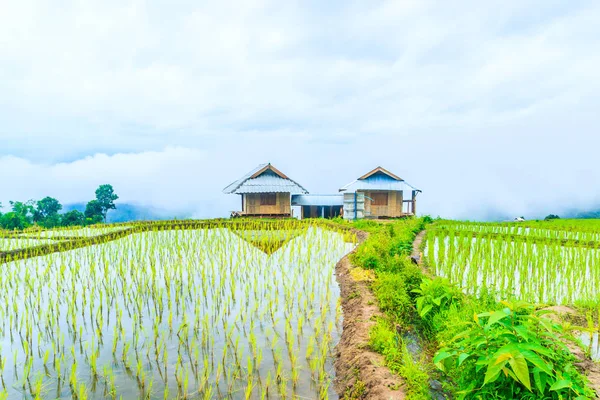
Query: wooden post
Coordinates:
[414,202]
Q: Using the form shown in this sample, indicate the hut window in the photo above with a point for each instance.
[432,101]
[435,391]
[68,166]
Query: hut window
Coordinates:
[268,199]
[379,199]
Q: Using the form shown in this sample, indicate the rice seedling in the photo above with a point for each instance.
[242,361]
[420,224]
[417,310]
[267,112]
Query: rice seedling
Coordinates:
[239,309]
[547,266]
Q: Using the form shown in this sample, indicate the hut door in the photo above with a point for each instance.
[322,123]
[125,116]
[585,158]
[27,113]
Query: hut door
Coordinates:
[251,200]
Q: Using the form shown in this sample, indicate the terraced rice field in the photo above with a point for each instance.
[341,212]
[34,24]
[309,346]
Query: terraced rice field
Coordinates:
[194,313]
[541,265]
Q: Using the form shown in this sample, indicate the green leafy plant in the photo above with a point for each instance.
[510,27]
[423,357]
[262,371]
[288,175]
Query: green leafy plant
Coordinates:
[512,353]
[435,295]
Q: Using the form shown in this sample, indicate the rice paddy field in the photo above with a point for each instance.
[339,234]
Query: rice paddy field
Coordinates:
[15,243]
[240,311]
[542,262]
[78,232]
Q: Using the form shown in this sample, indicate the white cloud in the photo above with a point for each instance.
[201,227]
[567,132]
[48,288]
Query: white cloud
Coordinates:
[477,99]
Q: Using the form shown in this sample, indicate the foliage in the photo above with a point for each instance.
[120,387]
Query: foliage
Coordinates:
[94,210]
[435,296]
[46,207]
[511,353]
[390,290]
[551,217]
[106,196]
[25,210]
[45,212]
[408,298]
[73,218]
[13,221]
[384,339]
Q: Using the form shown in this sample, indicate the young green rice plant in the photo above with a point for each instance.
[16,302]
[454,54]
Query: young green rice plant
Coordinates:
[182,305]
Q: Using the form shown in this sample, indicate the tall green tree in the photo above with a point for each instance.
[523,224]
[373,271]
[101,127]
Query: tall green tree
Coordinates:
[47,208]
[25,210]
[73,218]
[93,212]
[106,196]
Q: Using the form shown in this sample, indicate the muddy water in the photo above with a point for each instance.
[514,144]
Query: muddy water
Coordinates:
[202,313]
[591,343]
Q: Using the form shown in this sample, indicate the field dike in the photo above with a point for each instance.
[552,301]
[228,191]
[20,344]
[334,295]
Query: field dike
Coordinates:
[360,372]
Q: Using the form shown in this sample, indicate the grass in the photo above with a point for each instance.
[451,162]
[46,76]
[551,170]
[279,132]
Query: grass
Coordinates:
[442,312]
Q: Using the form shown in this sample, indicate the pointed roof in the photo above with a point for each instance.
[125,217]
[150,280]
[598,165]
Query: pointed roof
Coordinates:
[265,179]
[379,179]
[382,171]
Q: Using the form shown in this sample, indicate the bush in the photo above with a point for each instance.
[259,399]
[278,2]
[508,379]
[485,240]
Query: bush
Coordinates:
[436,296]
[511,353]
[12,221]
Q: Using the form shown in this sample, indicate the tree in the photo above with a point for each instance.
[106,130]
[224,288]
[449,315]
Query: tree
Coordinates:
[46,208]
[551,217]
[12,220]
[93,210]
[105,196]
[73,218]
[25,210]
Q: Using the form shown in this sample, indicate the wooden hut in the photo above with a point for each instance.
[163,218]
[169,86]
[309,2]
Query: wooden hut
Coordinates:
[379,194]
[265,192]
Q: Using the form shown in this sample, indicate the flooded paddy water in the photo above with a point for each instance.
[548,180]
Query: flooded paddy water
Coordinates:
[175,314]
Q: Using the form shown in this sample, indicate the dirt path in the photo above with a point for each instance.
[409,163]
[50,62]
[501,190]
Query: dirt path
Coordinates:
[416,252]
[360,372]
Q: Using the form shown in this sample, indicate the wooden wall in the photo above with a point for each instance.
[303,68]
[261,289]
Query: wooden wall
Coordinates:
[392,210]
[252,205]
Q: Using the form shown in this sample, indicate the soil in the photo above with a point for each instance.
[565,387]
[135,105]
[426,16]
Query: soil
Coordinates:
[416,254]
[360,372]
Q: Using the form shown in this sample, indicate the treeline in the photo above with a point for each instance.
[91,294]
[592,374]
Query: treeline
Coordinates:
[46,212]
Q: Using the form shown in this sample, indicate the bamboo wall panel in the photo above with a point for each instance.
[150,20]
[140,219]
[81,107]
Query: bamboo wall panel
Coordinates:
[253,206]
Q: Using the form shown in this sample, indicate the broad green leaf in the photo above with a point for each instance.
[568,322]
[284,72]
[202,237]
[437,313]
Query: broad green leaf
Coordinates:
[493,372]
[562,384]
[537,361]
[503,357]
[462,357]
[521,370]
[495,317]
[425,310]
[439,357]
[537,348]
[539,382]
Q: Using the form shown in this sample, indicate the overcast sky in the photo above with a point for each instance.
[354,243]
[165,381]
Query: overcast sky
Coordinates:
[486,106]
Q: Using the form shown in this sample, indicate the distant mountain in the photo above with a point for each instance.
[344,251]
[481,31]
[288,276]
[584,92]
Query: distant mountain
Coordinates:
[132,212]
[589,214]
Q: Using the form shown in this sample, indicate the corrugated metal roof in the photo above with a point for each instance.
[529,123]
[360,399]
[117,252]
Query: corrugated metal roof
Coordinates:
[318,200]
[377,182]
[267,182]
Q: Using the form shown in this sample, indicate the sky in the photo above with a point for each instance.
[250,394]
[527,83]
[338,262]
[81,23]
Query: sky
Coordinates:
[488,107]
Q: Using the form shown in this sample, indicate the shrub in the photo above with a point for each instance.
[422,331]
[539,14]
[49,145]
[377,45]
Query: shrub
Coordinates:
[436,296]
[512,353]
